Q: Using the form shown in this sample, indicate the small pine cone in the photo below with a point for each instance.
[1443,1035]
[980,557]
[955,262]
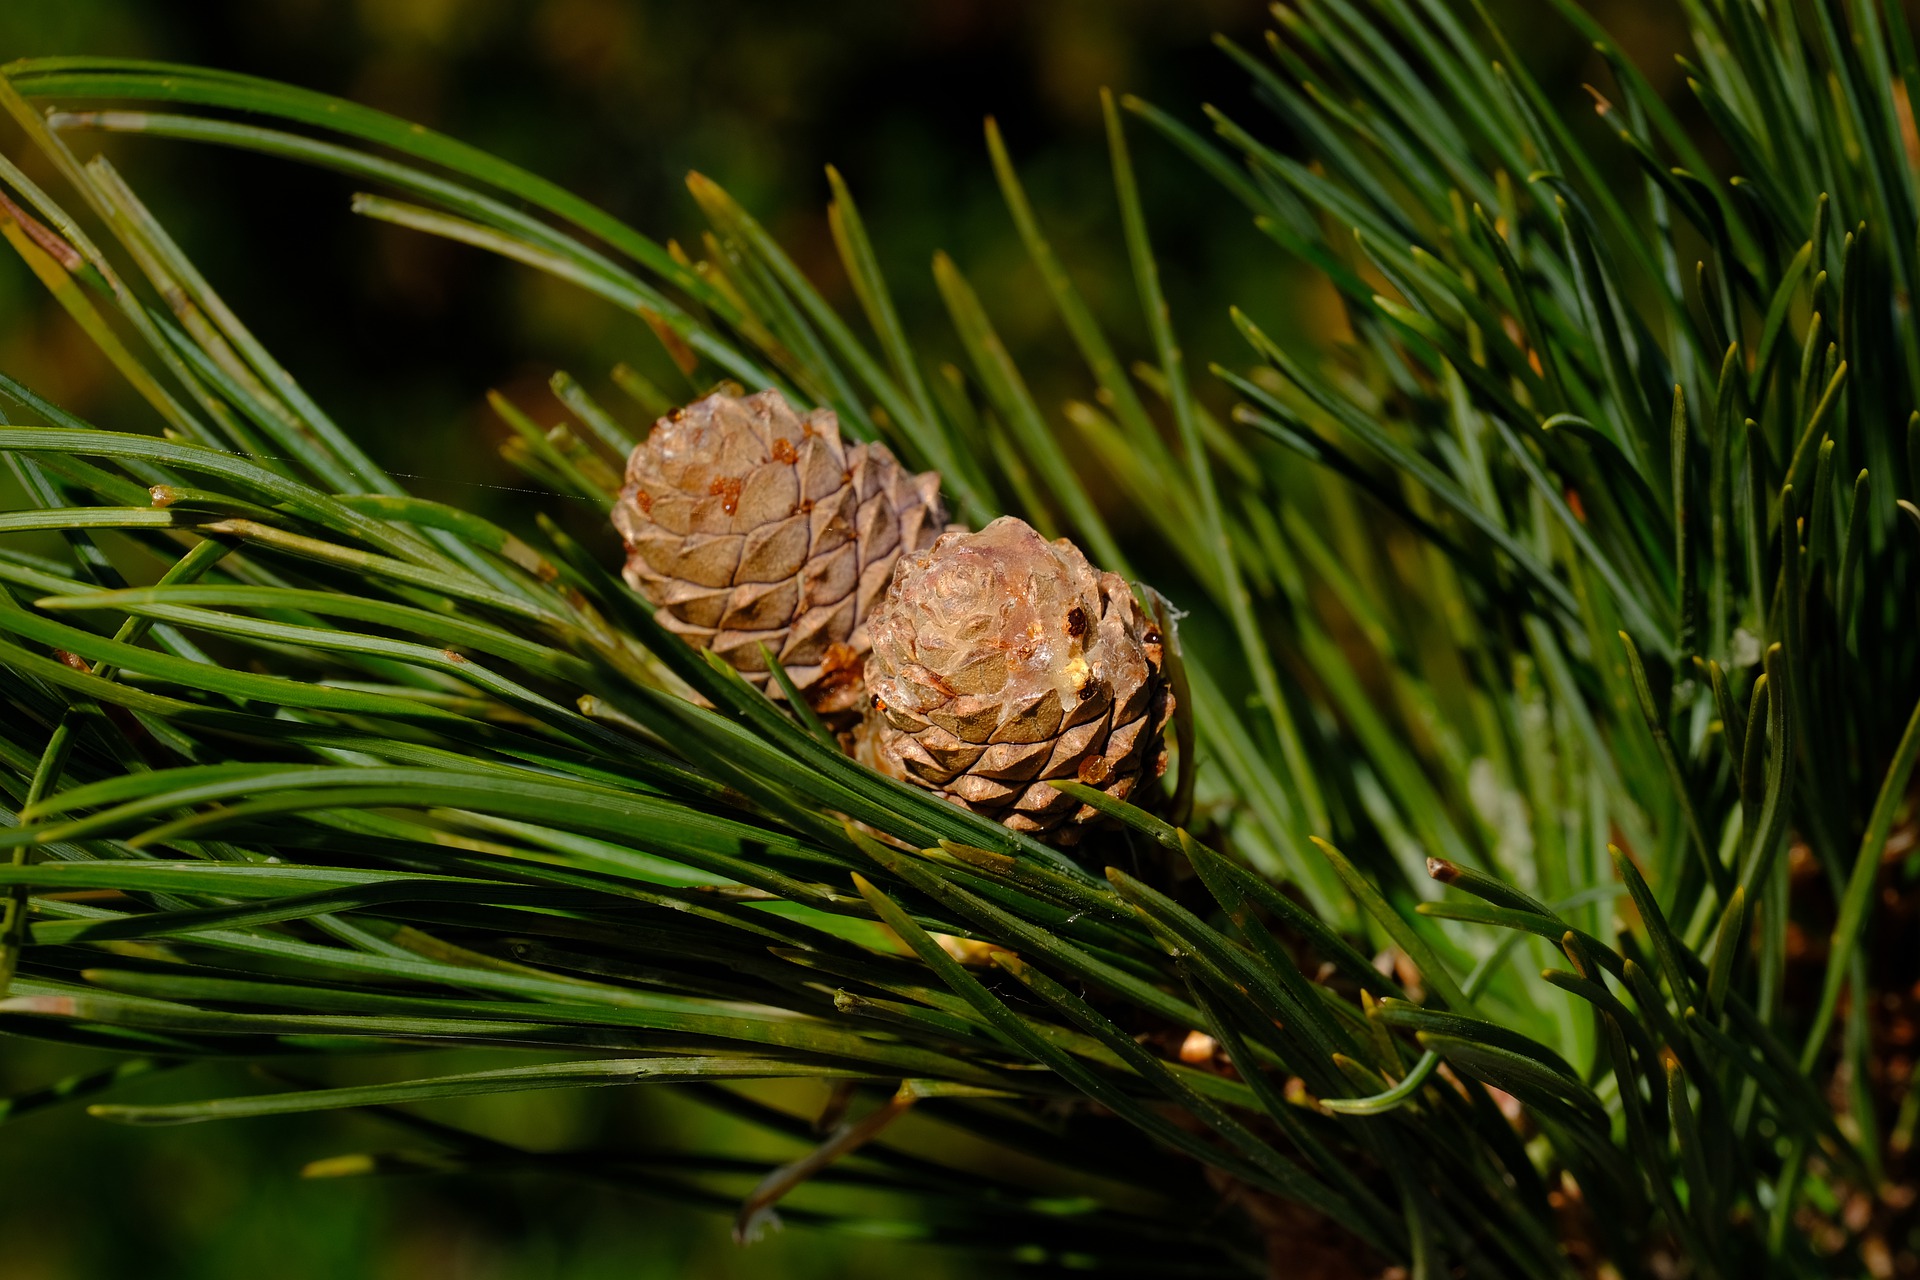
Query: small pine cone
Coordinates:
[748,524]
[1001,660]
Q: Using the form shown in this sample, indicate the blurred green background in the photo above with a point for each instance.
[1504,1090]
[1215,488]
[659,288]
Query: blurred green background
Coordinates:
[400,336]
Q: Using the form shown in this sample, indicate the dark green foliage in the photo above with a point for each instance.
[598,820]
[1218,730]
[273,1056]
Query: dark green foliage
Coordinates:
[1600,598]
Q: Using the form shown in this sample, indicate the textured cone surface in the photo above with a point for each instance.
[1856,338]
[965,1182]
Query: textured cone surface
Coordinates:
[1001,660]
[748,524]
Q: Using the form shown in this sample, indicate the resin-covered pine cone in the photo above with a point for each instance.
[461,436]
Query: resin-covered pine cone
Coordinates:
[748,524]
[1001,660]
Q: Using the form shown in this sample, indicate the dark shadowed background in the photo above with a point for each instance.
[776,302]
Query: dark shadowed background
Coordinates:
[400,336]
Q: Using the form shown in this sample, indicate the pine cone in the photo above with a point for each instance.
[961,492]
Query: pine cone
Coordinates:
[1001,660]
[747,524]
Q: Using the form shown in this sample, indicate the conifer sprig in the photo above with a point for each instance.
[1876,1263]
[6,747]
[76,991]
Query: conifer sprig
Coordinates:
[1528,626]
